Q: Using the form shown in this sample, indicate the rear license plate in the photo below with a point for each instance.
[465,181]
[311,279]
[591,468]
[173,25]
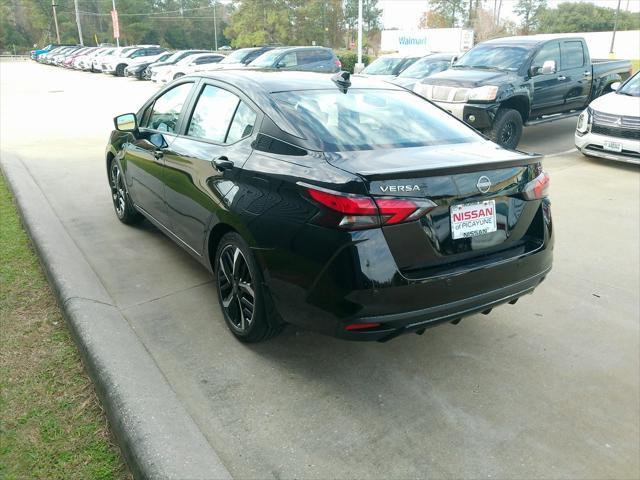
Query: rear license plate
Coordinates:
[612,146]
[473,219]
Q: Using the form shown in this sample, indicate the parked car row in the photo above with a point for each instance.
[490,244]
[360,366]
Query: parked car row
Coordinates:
[152,62]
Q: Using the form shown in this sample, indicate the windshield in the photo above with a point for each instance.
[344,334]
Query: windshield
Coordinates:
[364,119]
[631,86]
[237,56]
[383,66]
[267,59]
[425,67]
[497,57]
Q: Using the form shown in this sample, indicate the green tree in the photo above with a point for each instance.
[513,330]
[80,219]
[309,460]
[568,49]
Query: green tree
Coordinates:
[584,17]
[453,11]
[529,11]
[258,22]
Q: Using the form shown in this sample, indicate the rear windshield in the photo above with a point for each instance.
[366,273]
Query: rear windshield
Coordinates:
[266,59]
[237,56]
[425,67]
[383,66]
[366,119]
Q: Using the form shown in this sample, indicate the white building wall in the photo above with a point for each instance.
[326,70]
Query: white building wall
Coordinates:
[426,40]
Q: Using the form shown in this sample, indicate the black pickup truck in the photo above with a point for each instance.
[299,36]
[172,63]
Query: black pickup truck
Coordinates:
[501,85]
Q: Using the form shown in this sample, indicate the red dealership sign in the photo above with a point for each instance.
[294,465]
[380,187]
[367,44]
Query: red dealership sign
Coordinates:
[116,25]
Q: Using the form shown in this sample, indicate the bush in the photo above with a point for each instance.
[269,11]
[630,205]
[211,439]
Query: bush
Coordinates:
[349,59]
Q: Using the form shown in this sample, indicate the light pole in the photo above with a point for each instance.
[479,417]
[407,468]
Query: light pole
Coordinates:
[215,26]
[75,3]
[359,66]
[615,27]
[55,19]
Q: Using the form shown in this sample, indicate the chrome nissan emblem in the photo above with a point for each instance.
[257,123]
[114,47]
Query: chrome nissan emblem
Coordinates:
[484,184]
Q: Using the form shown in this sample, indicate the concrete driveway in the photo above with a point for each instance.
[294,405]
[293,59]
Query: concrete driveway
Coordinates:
[547,388]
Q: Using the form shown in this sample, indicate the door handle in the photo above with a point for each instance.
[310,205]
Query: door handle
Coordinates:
[158,154]
[562,78]
[223,163]
[587,74]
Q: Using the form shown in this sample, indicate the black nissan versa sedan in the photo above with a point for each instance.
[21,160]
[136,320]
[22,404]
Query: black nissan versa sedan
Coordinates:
[341,204]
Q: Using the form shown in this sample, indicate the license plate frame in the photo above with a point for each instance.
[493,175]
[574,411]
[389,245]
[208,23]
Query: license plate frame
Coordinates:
[467,224]
[610,146]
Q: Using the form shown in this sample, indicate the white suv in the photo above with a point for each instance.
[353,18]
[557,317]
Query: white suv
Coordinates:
[610,126]
[115,65]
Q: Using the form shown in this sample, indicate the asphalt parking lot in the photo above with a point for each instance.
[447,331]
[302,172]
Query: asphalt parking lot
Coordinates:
[546,388]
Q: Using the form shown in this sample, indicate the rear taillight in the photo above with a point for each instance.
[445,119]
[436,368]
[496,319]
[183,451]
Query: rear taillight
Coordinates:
[537,188]
[357,212]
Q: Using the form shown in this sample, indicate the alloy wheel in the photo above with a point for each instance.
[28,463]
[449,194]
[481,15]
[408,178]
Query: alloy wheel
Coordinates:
[117,190]
[235,286]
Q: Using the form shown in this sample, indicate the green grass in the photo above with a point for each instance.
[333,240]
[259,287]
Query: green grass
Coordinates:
[51,423]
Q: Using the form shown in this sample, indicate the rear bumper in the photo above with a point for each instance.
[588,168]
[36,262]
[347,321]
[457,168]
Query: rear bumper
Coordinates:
[362,284]
[393,325]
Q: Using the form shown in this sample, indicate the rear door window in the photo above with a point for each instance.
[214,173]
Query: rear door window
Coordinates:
[242,125]
[212,114]
[572,55]
[166,110]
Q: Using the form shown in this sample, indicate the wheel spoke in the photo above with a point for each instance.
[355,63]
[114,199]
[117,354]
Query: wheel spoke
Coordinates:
[242,319]
[227,301]
[223,268]
[247,289]
[236,256]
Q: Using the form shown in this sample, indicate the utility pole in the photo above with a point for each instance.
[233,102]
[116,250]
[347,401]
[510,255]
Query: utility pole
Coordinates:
[113,3]
[359,66]
[75,4]
[55,19]
[215,26]
[615,27]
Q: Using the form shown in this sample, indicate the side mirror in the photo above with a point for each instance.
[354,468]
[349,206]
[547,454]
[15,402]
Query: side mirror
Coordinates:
[548,67]
[126,122]
[615,86]
[454,60]
[280,65]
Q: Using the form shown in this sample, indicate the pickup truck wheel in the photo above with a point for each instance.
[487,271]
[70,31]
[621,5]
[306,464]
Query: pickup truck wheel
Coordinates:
[507,128]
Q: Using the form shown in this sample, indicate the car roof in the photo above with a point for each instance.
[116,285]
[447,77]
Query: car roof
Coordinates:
[302,47]
[205,54]
[529,40]
[399,55]
[271,81]
[440,56]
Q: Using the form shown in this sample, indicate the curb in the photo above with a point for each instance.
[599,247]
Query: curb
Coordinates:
[157,436]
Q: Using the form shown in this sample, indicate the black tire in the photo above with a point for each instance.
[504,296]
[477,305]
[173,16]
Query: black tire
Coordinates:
[122,204]
[120,70]
[246,305]
[507,128]
[178,75]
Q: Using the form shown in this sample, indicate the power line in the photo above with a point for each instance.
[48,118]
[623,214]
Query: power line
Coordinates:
[152,14]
